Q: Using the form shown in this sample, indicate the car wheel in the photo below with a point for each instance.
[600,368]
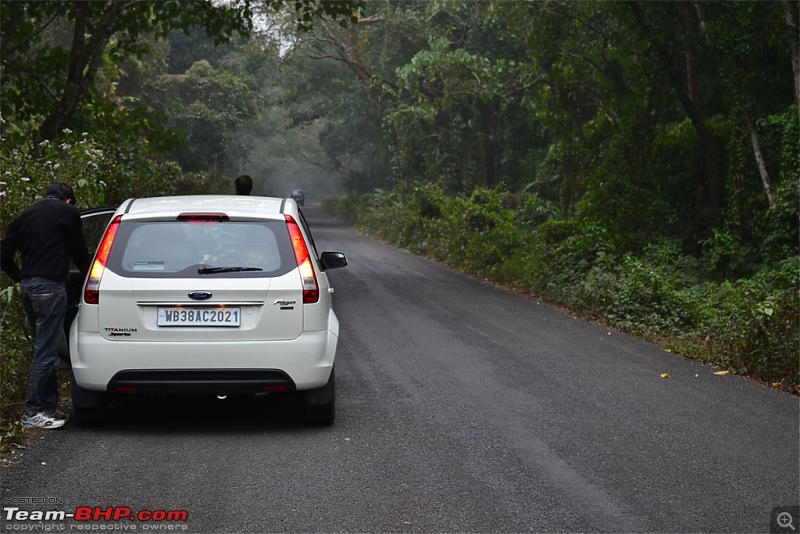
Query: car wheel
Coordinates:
[320,404]
[321,415]
[93,416]
[89,408]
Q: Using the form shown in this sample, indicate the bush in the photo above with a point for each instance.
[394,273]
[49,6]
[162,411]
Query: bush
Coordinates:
[16,354]
[723,256]
[749,325]
[347,208]
[634,295]
[565,251]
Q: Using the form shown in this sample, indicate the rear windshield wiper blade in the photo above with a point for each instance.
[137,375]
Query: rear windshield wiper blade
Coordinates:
[215,270]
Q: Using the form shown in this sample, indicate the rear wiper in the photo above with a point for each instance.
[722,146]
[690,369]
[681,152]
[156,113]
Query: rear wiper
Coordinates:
[215,270]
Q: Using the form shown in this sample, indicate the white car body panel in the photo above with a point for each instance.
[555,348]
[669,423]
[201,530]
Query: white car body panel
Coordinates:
[277,331]
[307,360]
[132,303]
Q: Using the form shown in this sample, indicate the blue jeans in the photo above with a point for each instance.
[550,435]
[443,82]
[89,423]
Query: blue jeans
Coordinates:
[45,303]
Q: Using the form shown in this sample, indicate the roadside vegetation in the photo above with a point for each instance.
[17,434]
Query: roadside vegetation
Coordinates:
[695,306]
[637,162]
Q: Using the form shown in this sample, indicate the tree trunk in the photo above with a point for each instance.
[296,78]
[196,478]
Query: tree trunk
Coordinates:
[687,87]
[744,102]
[762,167]
[489,110]
[790,11]
[84,61]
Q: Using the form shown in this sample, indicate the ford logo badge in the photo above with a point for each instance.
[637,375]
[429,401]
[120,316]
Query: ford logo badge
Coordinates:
[200,295]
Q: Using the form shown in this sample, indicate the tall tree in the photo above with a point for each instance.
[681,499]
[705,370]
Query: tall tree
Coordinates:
[51,79]
[100,30]
[726,37]
[207,106]
[791,12]
[670,30]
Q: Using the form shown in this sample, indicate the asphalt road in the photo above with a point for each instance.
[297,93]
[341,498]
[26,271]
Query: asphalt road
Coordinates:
[462,407]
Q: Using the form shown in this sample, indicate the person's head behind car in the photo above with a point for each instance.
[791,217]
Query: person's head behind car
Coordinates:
[243,184]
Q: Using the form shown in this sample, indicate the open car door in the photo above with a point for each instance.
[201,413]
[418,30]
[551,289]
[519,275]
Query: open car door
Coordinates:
[95,221]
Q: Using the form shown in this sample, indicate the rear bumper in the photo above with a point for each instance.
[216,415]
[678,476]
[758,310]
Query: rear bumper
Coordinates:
[220,382]
[249,366]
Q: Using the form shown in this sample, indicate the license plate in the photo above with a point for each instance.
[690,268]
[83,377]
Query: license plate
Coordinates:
[199,316]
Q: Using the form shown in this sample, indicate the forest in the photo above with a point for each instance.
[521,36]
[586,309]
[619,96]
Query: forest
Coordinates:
[635,162]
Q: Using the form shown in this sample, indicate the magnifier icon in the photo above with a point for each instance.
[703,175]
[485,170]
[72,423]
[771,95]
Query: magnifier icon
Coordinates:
[785,520]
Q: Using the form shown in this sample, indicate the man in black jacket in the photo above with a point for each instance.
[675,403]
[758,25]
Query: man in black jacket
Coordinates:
[48,235]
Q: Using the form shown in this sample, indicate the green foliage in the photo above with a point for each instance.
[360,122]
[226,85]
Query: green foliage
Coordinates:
[100,174]
[347,208]
[777,230]
[722,255]
[306,12]
[746,324]
[56,77]
[751,325]
[563,252]
[536,211]
[321,102]
[27,171]
[207,106]
[557,146]
[634,295]
[485,231]
[14,360]
[587,105]
[430,200]
[455,118]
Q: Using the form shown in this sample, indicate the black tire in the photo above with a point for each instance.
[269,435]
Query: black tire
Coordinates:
[89,408]
[90,416]
[320,404]
[322,414]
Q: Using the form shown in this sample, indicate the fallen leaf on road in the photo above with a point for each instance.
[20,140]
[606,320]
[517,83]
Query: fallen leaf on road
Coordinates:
[722,372]
[665,375]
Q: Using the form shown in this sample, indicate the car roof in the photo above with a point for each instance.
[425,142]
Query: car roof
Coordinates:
[234,206]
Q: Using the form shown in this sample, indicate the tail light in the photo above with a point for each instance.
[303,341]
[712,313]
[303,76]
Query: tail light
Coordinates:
[310,287]
[91,293]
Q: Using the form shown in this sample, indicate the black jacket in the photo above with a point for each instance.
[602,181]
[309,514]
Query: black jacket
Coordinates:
[48,234]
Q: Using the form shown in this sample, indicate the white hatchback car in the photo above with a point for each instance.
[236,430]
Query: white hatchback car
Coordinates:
[206,295]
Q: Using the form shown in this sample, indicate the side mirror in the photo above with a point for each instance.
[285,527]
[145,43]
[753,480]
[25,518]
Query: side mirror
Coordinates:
[332,260]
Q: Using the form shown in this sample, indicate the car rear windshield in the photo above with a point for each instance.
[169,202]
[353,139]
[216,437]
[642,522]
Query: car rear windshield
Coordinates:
[188,249]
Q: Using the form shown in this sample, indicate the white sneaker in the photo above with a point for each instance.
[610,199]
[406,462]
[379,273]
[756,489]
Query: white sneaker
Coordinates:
[42,420]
